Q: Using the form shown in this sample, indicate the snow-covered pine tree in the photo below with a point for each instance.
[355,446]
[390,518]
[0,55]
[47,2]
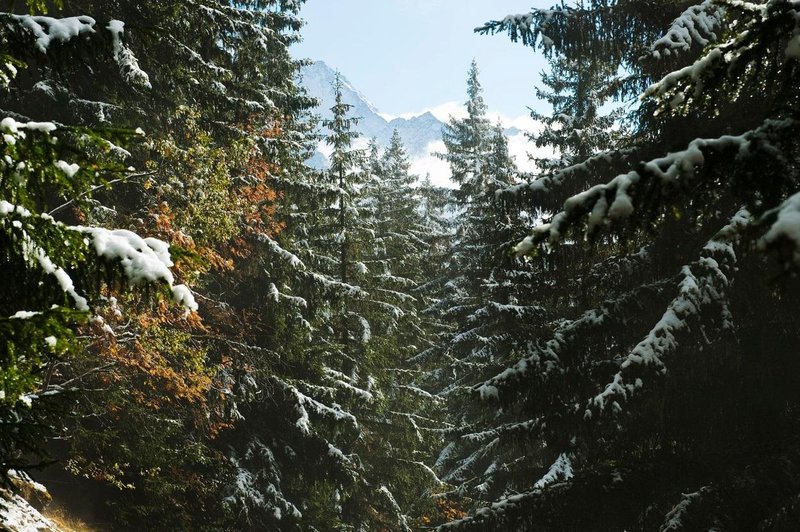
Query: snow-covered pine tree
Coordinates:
[401,434]
[487,297]
[309,400]
[661,398]
[56,261]
[467,148]
[439,218]
[399,244]
[466,140]
[480,258]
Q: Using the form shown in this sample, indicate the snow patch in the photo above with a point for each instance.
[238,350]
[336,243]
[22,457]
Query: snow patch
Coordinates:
[560,470]
[69,169]
[144,260]
[128,64]
[17,515]
[46,30]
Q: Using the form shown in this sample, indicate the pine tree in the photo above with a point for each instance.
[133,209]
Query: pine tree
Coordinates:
[489,300]
[404,430]
[651,401]
[309,401]
[56,267]
[467,140]
[576,129]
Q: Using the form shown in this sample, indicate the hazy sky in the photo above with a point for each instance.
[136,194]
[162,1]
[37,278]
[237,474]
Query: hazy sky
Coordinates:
[410,55]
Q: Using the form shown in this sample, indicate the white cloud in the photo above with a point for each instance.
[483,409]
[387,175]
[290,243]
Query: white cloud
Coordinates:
[522,122]
[325,149]
[519,148]
[361,143]
[432,166]
[448,110]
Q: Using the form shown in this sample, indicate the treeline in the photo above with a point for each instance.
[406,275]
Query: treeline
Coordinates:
[214,336]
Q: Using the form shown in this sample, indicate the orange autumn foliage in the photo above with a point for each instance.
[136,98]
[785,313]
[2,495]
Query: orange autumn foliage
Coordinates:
[156,356]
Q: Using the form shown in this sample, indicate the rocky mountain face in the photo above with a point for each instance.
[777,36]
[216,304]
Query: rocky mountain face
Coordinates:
[417,132]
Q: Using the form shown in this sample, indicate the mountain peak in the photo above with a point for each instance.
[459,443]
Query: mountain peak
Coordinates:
[417,132]
[318,78]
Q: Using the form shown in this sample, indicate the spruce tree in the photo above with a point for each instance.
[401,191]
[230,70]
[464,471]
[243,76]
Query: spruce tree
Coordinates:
[488,299]
[650,400]
[405,431]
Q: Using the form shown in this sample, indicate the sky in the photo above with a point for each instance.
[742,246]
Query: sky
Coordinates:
[408,56]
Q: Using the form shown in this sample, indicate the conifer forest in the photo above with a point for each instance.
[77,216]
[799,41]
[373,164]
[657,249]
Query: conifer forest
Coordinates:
[200,331]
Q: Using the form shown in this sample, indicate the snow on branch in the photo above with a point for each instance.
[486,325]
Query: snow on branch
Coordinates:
[702,283]
[693,74]
[724,56]
[426,468]
[499,507]
[467,463]
[696,25]
[546,184]
[675,517]
[276,248]
[526,26]
[10,129]
[561,469]
[332,284]
[47,29]
[128,64]
[516,312]
[305,403]
[412,420]
[751,7]
[247,492]
[612,201]
[340,380]
[402,519]
[421,393]
[545,357]
[784,228]
[212,68]
[33,251]
[143,260]
[276,295]
[508,429]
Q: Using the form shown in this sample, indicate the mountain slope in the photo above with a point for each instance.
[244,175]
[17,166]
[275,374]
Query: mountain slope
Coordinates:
[417,132]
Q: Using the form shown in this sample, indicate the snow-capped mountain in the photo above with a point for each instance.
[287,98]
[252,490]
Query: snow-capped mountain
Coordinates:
[421,134]
[418,132]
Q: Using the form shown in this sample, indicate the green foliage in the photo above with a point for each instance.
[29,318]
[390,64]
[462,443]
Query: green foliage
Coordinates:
[48,268]
[193,180]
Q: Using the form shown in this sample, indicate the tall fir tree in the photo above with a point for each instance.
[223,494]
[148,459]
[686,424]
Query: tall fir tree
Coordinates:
[649,400]
[488,299]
